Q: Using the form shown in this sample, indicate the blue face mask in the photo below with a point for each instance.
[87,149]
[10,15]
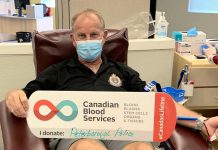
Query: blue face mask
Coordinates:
[89,50]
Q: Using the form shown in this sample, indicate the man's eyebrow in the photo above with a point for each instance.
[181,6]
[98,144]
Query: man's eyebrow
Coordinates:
[94,32]
[80,33]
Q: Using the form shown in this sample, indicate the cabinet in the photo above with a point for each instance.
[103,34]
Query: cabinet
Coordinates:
[153,59]
[17,67]
[9,25]
[205,76]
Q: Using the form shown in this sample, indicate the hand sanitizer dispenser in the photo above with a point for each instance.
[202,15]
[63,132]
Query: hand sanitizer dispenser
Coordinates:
[162,25]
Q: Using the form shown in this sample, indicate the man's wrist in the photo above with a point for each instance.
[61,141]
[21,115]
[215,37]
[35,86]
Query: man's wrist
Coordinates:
[200,124]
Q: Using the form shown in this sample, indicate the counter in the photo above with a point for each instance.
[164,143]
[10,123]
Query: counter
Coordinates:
[9,25]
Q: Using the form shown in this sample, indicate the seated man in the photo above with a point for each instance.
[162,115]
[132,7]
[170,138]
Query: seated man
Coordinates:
[89,70]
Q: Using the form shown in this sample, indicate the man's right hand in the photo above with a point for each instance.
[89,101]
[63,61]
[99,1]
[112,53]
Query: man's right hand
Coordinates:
[17,103]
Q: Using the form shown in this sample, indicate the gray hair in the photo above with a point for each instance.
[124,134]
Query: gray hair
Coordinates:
[88,12]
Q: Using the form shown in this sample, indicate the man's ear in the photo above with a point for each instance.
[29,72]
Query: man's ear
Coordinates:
[104,36]
[73,40]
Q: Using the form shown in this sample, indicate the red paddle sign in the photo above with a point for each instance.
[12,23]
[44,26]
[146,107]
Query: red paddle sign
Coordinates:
[164,118]
[137,116]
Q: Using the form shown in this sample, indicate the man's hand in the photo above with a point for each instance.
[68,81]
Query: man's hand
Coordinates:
[17,103]
[212,126]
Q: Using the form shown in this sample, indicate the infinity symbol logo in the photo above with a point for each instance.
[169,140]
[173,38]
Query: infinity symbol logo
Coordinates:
[55,110]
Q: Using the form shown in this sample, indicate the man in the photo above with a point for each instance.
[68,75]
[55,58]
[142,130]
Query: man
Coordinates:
[89,70]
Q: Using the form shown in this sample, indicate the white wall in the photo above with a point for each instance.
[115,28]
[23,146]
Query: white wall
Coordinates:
[7,7]
[180,20]
[113,11]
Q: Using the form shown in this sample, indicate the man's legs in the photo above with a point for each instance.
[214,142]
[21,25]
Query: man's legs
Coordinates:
[92,144]
[138,146]
[87,144]
[128,145]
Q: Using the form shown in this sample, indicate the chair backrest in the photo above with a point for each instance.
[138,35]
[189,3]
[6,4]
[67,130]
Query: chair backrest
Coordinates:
[54,46]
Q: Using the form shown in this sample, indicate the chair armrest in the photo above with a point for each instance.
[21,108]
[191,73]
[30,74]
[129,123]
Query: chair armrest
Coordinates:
[185,138]
[16,133]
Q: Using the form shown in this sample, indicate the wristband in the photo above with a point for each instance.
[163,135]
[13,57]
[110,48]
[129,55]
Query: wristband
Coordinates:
[200,123]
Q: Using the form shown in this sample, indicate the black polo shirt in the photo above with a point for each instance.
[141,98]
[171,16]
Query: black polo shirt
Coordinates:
[71,75]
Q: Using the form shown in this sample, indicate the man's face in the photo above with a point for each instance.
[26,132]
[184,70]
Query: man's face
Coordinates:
[88,28]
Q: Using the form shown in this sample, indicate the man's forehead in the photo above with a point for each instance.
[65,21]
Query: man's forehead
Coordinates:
[87,25]
[93,29]
[87,18]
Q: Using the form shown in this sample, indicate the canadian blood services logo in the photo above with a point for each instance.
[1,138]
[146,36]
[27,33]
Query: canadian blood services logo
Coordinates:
[55,110]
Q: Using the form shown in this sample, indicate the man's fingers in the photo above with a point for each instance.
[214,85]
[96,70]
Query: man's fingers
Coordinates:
[20,113]
[19,109]
[13,103]
[17,103]
[23,100]
[10,102]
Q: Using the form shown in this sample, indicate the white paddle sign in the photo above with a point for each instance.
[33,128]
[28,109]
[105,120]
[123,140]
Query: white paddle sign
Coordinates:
[138,116]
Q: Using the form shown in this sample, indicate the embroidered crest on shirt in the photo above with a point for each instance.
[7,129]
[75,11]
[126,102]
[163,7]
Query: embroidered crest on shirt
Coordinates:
[115,80]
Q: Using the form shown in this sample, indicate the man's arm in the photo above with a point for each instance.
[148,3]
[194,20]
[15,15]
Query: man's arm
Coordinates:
[211,124]
[183,111]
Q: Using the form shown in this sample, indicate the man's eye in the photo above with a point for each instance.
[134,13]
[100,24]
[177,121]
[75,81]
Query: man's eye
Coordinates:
[94,35]
[82,36]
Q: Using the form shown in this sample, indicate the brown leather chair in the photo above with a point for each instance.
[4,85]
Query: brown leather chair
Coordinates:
[55,46]
[184,138]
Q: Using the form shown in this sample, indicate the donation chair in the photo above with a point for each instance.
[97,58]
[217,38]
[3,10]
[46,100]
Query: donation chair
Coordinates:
[54,46]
